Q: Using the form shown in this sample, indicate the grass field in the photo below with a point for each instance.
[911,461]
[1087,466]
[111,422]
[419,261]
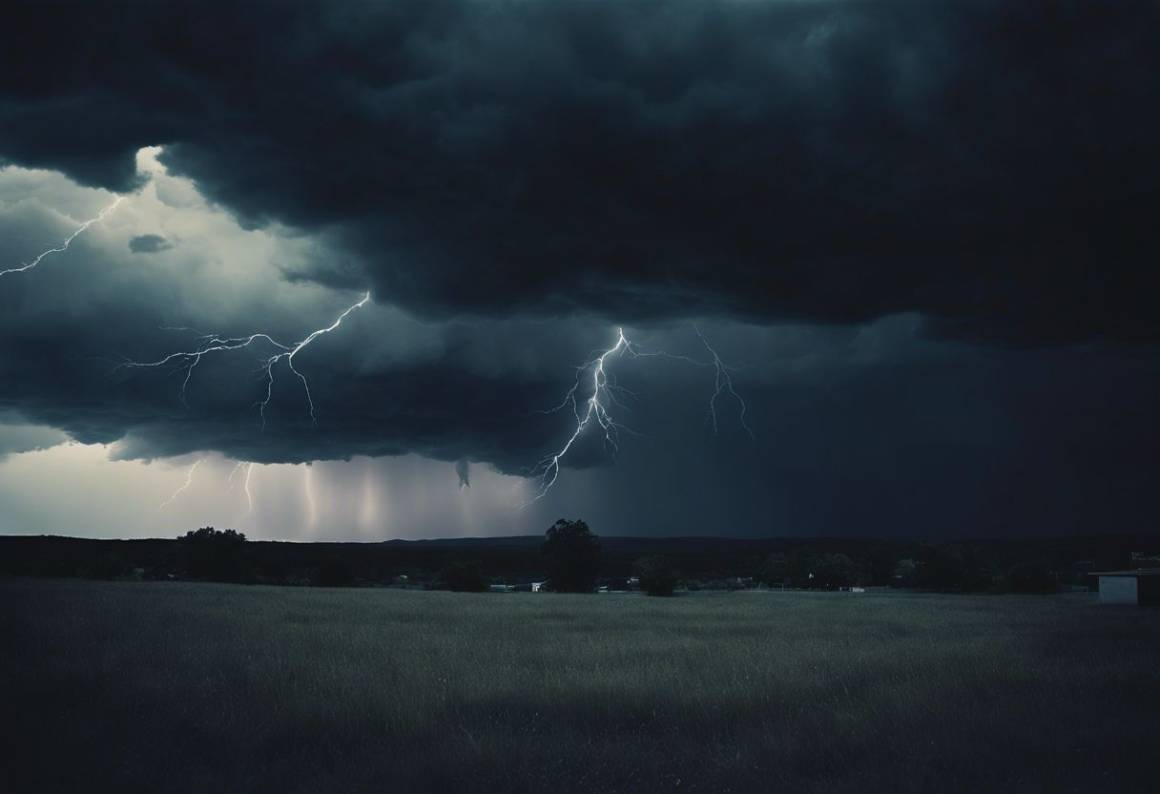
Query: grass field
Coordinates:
[212,688]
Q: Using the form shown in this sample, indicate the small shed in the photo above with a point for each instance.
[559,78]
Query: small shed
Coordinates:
[1129,587]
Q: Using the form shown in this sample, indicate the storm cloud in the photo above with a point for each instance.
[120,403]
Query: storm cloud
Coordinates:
[988,165]
[921,232]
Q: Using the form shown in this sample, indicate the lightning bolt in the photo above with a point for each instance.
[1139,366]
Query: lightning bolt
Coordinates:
[724,385]
[597,408]
[185,486]
[246,488]
[295,350]
[233,472]
[245,482]
[187,360]
[67,241]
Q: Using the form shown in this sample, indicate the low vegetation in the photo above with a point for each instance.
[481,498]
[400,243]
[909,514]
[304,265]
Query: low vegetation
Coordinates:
[657,576]
[186,687]
[571,558]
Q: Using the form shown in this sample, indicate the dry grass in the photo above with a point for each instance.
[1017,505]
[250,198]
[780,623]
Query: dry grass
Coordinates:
[194,688]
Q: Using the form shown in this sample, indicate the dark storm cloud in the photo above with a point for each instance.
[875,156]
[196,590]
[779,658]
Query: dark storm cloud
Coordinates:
[988,164]
[872,429]
[966,443]
[383,384]
[149,244]
[67,378]
[523,171]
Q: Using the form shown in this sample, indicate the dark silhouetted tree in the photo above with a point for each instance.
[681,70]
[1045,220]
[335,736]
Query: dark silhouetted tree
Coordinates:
[905,573]
[572,555]
[657,575]
[834,570]
[211,535]
[216,554]
[463,577]
[824,570]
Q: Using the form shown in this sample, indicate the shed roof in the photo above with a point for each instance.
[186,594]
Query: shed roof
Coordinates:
[1140,572]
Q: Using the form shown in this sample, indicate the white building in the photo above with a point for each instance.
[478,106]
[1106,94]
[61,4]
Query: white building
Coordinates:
[1129,587]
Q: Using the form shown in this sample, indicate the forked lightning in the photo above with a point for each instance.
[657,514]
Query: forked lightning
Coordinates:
[597,408]
[184,486]
[187,360]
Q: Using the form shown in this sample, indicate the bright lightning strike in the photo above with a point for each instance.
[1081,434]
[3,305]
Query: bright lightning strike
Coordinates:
[67,241]
[184,486]
[246,487]
[188,360]
[295,350]
[597,408]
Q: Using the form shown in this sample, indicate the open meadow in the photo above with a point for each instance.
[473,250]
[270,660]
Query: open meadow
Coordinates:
[205,687]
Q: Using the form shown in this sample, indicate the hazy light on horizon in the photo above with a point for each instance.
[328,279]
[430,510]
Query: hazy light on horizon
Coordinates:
[94,494]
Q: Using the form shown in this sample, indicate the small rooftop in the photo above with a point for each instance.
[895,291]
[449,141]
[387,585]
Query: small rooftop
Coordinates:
[1139,572]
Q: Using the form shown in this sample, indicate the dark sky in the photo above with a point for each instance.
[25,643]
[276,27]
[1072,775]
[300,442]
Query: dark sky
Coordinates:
[922,235]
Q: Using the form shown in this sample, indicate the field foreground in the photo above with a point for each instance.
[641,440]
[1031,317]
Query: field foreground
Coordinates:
[194,688]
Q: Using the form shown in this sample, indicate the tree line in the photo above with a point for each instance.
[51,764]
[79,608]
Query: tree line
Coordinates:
[572,558]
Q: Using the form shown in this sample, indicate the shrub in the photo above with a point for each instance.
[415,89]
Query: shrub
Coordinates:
[657,575]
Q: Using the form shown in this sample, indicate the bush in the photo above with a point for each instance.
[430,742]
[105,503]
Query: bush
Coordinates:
[906,573]
[823,570]
[657,575]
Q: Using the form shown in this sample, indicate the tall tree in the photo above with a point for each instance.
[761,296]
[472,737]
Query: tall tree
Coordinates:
[572,554]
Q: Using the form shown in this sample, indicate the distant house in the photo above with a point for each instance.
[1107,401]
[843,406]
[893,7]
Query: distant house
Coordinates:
[1129,587]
